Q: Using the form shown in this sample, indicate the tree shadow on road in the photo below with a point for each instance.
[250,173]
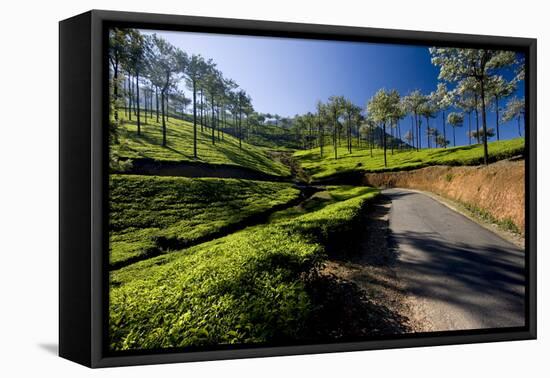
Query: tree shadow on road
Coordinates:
[483,279]
[356,296]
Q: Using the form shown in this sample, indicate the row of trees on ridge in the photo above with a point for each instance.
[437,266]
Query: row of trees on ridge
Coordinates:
[147,72]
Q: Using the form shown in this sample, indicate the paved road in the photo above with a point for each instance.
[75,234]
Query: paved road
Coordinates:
[461,275]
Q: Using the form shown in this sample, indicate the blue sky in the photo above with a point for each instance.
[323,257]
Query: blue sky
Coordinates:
[287,76]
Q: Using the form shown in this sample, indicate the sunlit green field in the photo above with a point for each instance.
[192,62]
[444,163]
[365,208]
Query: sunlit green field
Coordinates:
[150,214]
[180,146]
[273,137]
[245,287]
[360,159]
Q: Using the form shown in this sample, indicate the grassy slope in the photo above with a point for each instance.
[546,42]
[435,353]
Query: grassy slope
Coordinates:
[145,208]
[180,147]
[273,137]
[360,160]
[242,288]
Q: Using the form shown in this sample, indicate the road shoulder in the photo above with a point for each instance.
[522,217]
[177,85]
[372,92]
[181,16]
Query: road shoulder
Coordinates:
[514,238]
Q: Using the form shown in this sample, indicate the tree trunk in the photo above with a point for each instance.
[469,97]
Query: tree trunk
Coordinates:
[240,129]
[371,141]
[335,139]
[416,131]
[412,131]
[194,119]
[349,133]
[202,113]
[484,122]
[130,96]
[137,103]
[134,97]
[167,105]
[444,130]
[145,104]
[428,132]
[320,127]
[469,128]
[212,125]
[392,136]
[400,146]
[163,119]
[126,102]
[224,118]
[496,109]
[384,138]
[151,103]
[218,122]
[358,135]
[419,141]
[478,137]
[157,107]
[115,86]
[454,136]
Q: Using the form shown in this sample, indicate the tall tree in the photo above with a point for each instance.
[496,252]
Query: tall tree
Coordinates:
[467,95]
[242,104]
[334,109]
[195,70]
[118,50]
[213,86]
[351,111]
[490,133]
[499,88]
[248,110]
[455,120]
[367,129]
[457,64]
[167,61]
[520,67]
[380,107]
[440,141]
[138,47]
[398,112]
[409,137]
[427,110]
[414,102]
[464,100]
[321,115]
[442,99]
[309,123]
[229,101]
[515,109]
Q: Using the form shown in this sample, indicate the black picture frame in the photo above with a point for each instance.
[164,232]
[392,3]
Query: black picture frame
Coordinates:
[83,170]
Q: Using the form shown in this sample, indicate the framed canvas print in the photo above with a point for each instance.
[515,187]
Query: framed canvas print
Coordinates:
[233,188]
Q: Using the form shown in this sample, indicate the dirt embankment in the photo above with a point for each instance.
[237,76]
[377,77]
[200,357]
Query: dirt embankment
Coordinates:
[496,190]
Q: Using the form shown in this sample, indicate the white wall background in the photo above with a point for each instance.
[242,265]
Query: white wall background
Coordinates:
[29,186]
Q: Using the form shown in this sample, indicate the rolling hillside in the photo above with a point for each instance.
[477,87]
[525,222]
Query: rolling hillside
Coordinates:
[179,147]
[360,159]
[241,288]
[152,215]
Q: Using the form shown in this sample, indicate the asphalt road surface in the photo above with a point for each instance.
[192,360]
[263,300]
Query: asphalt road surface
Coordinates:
[461,276]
